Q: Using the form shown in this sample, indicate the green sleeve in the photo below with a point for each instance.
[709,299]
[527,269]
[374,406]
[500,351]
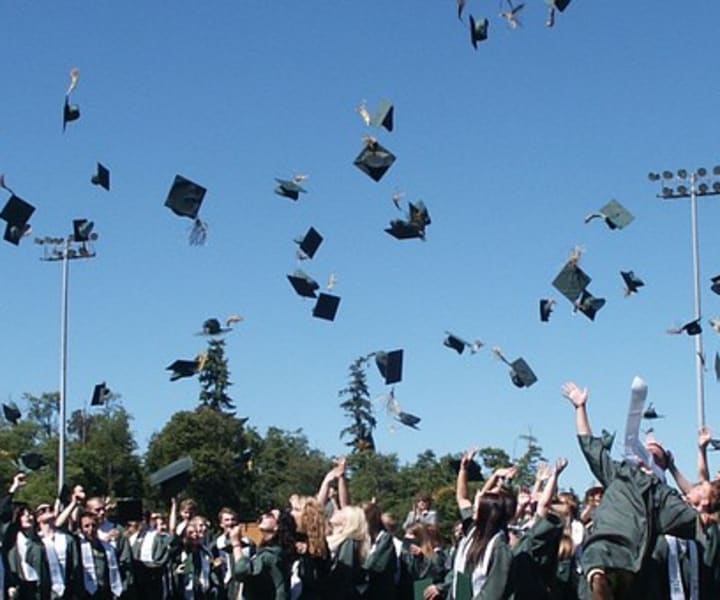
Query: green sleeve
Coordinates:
[497,584]
[675,516]
[383,556]
[598,458]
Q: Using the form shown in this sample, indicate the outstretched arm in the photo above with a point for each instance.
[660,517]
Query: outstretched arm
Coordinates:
[703,441]
[578,397]
[550,489]
[462,495]
[679,478]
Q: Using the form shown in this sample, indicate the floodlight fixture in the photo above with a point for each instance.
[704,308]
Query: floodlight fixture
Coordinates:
[682,173]
[702,171]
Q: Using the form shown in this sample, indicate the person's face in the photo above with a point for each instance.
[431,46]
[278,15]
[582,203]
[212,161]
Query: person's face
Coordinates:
[594,499]
[201,528]
[89,527]
[699,497]
[458,531]
[423,505]
[44,514]
[161,525]
[27,519]
[97,508]
[227,521]
[187,513]
[192,534]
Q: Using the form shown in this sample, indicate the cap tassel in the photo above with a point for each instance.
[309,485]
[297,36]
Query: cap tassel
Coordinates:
[498,353]
[3,185]
[74,77]
[364,113]
[198,233]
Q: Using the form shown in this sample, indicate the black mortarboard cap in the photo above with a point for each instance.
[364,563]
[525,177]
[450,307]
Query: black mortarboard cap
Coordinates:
[521,373]
[717,366]
[71,112]
[691,328]
[183,368]
[473,470]
[454,342]
[408,420]
[571,281]
[289,189]
[384,117]
[402,230]
[714,444]
[589,305]
[632,281]
[374,160]
[650,413]
[173,478]
[31,461]
[546,308]
[212,326]
[478,30]
[127,510]
[82,229]
[561,5]
[101,393]
[390,365]
[303,284]
[326,307]
[64,495]
[185,197]
[310,242]
[715,287]
[11,412]
[101,177]
[615,215]
[16,213]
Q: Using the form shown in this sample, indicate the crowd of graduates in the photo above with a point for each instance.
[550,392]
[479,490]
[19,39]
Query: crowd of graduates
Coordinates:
[632,536]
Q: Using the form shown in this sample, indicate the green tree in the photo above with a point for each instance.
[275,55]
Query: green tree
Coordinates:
[528,462]
[373,475]
[358,408]
[494,458]
[43,410]
[215,378]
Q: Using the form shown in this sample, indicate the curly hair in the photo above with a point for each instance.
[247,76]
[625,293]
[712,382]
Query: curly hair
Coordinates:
[313,525]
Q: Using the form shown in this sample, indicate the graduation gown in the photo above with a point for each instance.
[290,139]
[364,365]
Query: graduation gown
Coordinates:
[38,589]
[263,575]
[149,577]
[313,572]
[381,566]
[535,559]
[347,579]
[197,578]
[102,571]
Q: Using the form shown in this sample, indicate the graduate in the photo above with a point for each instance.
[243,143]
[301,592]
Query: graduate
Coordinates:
[421,512]
[61,552]
[313,555]
[196,576]
[221,549]
[150,551]
[349,545]
[28,575]
[381,561]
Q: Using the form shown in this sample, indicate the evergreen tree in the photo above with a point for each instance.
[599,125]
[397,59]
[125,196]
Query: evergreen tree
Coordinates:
[215,378]
[358,408]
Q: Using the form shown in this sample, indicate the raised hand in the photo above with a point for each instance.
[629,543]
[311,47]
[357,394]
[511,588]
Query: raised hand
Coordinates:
[577,396]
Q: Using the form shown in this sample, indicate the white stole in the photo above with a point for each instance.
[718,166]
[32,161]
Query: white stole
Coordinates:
[677,592]
[89,574]
[221,544]
[57,569]
[147,539]
[479,575]
[295,581]
[28,572]
[203,578]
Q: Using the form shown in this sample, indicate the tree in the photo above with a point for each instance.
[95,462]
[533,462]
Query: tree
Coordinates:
[528,462]
[215,378]
[358,408]
[44,410]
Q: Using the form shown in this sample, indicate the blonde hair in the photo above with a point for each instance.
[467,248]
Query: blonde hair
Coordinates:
[354,527]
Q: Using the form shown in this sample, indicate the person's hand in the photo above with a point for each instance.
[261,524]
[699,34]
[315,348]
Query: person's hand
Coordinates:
[301,547]
[180,569]
[20,480]
[13,593]
[235,535]
[543,472]
[467,457]
[432,592]
[506,472]
[560,465]
[704,437]
[414,550]
[339,469]
[577,396]
[523,499]
[78,494]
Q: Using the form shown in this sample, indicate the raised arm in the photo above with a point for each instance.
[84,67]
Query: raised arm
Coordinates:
[76,500]
[682,482]
[578,397]
[332,475]
[343,490]
[172,519]
[703,440]
[548,493]
[498,477]
[462,495]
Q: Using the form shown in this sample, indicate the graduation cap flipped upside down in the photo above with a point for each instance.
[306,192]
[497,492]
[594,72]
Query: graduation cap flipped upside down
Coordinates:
[374,159]
[458,344]
[614,214]
[520,372]
[185,199]
[414,226]
[390,365]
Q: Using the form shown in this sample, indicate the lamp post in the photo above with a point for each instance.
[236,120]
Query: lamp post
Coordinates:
[76,246]
[692,185]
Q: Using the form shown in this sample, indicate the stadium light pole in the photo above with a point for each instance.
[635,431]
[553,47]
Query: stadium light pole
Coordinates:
[74,247]
[692,185]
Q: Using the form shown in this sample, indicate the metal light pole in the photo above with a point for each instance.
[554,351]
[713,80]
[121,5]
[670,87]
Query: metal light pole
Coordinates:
[75,246]
[700,184]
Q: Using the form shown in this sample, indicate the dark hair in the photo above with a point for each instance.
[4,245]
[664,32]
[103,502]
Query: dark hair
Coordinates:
[493,514]
[18,509]
[373,516]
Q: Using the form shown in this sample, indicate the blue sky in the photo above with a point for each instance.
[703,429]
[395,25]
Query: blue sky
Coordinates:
[509,146]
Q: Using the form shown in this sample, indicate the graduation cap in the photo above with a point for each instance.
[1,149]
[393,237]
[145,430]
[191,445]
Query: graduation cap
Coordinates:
[615,215]
[460,8]
[691,328]
[473,470]
[101,177]
[714,444]
[650,413]
[632,282]
[546,308]
[390,365]
[101,393]
[213,327]
[173,478]
[11,412]
[715,287]
[16,213]
[374,160]
[717,366]
[303,284]
[326,307]
[309,243]
[414,227]
[384,117]
[458,344]
[186,368]
[82,228]
[71,112]
[408,420]
[185,199]
[571,281]
[478,31]
[520,372]
[31,461]
[127,510]
[559,5]
[511,15]
[290,188]
[589,305]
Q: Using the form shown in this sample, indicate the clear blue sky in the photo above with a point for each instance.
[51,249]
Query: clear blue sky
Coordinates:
[510,146]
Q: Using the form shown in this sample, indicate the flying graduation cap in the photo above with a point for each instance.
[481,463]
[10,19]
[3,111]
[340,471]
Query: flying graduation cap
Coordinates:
[413,227]
[650,413]
[615,215]
[555,5]
[383,117]
[186,368]
[16,213]
[571,281]
[715,287]
[173,478]
[390,365]
[212,327]
[101,393]
[291,188]
[717,367]
[520,372]
[303,284]
[309,244]
[71,112]
[374,159]
[473,470]
[408,420]
[511,15]
[714,444]
[632,282]
[185,199]
[458,344]
[31,461]
[691,328]
[101,177]
[326,307]
[589,305]
[546,308]
[478,31]
[11,412]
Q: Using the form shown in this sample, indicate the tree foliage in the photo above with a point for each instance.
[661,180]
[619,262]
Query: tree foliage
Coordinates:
[358,408]
[215,378]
